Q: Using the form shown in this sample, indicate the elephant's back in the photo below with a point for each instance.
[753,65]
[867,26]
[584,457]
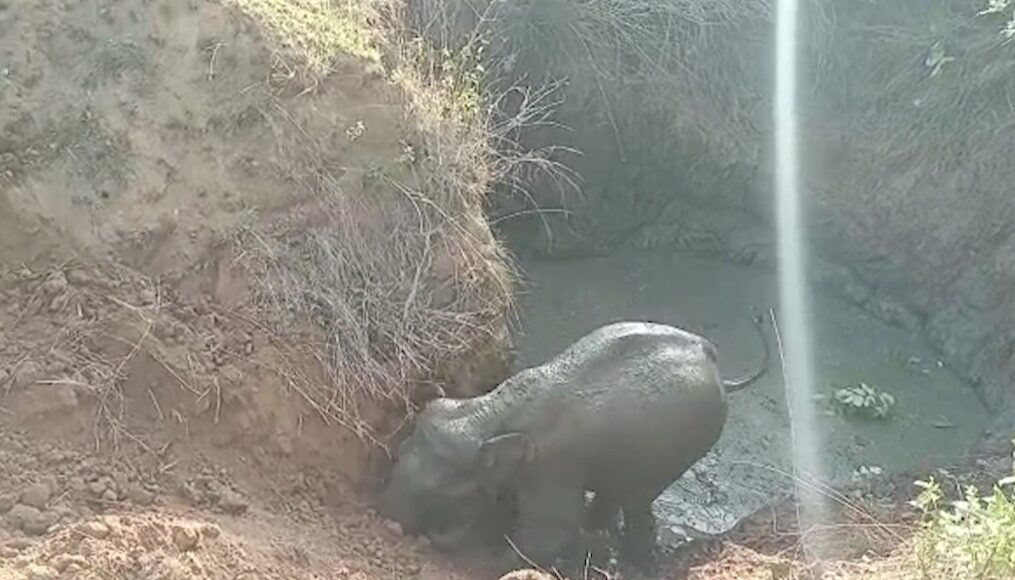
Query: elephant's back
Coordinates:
[633,398]
[636,363]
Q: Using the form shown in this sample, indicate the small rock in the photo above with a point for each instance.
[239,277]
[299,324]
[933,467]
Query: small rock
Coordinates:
[393,527]
[55,284]
[51,482]
[148,296]
[79,277]
[214,489]
[64,562]
[19,544]
[31,520]
[211,531]
[66,512]
[94,529]
[109,495]
[36,495]
[189,492]
[185,538]
[26,374]
[38,572]
[140,495]
[122,480]
[97,487]
[232,502]
[77,484]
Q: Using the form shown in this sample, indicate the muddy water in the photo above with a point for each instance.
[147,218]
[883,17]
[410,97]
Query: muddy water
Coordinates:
[936,416]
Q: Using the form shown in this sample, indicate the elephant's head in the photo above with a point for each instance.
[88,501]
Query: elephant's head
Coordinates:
[447,473]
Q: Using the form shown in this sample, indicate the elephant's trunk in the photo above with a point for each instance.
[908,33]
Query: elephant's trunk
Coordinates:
[396,505]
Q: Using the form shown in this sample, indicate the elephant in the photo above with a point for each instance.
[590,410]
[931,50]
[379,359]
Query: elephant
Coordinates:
[622,414]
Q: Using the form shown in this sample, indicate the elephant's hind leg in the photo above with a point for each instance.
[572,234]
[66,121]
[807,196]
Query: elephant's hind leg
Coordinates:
[639,539]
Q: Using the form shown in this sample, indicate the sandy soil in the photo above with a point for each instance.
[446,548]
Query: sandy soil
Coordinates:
[147,426]
[151,425]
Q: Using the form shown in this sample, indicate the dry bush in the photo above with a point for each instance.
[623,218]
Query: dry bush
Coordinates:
[386,288]
[641,95]
[611,51]
[665,97]
[392,289]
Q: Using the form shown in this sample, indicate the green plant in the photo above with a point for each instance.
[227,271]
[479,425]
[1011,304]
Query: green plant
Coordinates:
[859,401]
[864,478]
[970,538]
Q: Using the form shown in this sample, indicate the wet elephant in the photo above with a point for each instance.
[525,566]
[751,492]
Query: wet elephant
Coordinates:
[622,413]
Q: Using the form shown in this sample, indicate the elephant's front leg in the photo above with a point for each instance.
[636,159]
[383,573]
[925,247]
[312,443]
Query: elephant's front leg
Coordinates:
[551,510]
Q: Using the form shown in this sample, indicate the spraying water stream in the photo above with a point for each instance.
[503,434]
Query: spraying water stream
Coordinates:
[796,337]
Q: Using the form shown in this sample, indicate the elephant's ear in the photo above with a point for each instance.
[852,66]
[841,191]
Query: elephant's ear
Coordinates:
[426,392]
[501,457]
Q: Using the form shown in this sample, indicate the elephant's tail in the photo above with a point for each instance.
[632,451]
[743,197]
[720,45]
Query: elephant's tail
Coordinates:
[734,385]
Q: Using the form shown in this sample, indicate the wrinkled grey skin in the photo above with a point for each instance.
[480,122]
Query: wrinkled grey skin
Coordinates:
[623,413]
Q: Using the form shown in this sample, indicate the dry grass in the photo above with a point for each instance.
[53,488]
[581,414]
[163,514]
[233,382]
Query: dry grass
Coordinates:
[621,57]
[381,314]
[385,289]
[316,32]
[638,90]
[100,335]
[904,95]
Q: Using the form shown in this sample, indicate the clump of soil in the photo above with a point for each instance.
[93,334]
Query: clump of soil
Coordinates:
[73,514]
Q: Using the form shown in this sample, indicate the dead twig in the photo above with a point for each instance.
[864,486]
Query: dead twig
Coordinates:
[155,403]
[528,560]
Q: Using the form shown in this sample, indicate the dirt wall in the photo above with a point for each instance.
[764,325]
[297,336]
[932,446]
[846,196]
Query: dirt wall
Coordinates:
[225,268]
[207,245]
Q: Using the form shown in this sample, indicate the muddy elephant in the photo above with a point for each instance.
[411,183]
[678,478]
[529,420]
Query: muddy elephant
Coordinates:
[622,413]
